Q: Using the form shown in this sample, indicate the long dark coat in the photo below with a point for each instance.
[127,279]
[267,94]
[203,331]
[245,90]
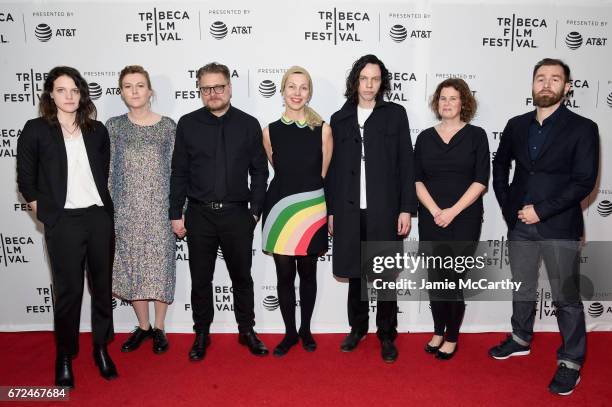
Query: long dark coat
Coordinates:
[389,180]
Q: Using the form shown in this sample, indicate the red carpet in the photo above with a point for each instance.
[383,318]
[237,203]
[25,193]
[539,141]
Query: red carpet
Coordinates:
[230,376]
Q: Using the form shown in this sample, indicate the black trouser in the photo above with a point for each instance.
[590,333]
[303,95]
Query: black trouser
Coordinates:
[358,310]
[230,227]
[81,237]
[286,269]
[561,258]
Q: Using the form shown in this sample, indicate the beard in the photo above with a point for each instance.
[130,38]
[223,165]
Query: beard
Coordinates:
[217,105]
[546,100]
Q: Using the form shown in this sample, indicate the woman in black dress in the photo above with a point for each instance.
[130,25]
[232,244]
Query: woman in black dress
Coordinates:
[299,147]
[452,172]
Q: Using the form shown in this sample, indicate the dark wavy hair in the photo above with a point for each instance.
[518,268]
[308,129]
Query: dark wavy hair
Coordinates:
[352,81]
[86,112]
[468,102]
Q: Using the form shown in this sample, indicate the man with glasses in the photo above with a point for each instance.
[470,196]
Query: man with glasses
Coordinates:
[216,148]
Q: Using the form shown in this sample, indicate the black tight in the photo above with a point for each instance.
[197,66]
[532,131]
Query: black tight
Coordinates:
[285,271]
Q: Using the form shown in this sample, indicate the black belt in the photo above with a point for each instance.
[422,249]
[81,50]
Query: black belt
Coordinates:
[216,205]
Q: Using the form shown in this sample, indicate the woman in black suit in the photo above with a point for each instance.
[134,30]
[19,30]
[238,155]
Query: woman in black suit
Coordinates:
[452,173]
[62,172]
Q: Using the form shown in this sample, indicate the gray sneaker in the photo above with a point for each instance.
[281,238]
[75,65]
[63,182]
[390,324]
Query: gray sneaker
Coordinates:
[508,348]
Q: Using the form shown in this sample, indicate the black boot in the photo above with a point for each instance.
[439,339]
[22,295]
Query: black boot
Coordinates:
[104,362]
[63,371]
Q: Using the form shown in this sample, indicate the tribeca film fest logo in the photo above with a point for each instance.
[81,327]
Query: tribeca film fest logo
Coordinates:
[159,26]
[579,93]
[498,250]
[515,32]
[5,17]
[30,86]
[46,298]
[194,93]
[399,83]
[8,143]
[13,249]
[339,26]
[399,33]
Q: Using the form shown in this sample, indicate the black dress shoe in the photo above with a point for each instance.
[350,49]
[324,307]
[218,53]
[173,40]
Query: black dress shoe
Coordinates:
[104,362]
[198,349]
[431,349]
[255,345]
[160,341]
[138,336]
[388,351]
[351,341]
[308,342]
[446,356]
[63,371]
[287,343]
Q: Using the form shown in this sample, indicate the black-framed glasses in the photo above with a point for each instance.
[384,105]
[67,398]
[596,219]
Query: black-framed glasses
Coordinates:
[218,89]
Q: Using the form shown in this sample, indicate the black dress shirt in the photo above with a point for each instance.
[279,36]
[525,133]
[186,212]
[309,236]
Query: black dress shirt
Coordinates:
[196,165]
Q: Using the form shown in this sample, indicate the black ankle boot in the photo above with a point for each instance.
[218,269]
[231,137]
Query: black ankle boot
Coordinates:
[104,362]
[63,371]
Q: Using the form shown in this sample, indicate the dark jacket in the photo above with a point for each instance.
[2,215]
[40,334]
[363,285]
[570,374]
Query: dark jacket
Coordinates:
[42,166]
[563,174]
[194,165]
[389,180]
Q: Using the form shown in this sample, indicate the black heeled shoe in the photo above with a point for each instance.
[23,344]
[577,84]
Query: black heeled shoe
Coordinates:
[104,362]
[308,342]
[431,349]
[63,371]
[446,356]
[285,345]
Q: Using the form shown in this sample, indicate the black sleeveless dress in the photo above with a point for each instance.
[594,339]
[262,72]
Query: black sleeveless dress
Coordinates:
[295,215]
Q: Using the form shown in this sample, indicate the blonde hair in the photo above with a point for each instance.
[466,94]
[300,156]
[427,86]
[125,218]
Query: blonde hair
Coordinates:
[313,119]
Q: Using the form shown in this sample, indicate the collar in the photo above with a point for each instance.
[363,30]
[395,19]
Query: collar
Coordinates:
[350,108]
[300,123]
[206,116]
[550,119]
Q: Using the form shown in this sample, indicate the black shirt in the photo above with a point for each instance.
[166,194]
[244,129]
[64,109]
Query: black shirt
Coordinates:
[448,170]
[194,161]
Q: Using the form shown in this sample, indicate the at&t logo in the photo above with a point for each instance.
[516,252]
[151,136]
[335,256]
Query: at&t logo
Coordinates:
[609,100]
[271,303]
[596,309]
[267,88]
[218,30]
[604,208]
[574,40]
[399,33]
[43,32]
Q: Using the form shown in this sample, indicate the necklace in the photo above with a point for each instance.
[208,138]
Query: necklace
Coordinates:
[70,133]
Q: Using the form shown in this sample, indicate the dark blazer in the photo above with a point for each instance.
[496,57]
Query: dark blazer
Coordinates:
[389,179]
[42,166]
[563,174]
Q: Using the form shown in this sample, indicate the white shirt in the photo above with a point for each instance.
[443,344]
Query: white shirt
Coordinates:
[362,116]
[82,191]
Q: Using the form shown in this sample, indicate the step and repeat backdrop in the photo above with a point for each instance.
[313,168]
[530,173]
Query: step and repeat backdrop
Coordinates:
[493,47]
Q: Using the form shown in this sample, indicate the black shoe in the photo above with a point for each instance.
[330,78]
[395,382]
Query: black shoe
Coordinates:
[508,348]
[138,336]
[308,342]
[446,356]
[287,343]
[104,362]
[63,371]
[388,351]
[432,349]
[160,341]
[198,349]
[350,342]
[565,380]
[255,345]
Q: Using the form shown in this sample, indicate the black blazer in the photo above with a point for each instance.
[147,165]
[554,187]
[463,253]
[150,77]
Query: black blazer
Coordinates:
[42,166]
[563,174]
[390,185]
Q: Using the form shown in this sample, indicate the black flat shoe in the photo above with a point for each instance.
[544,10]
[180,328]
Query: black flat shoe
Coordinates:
[388,351]
[446,356]
[160,341]
[255,345]
[104,362]
[285,345]
[431,349]
[308,342]
[198,349]
[138,336]
[63,371]
[350,342]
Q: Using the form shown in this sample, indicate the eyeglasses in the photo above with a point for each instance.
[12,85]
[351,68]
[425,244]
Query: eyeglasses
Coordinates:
[207,90]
